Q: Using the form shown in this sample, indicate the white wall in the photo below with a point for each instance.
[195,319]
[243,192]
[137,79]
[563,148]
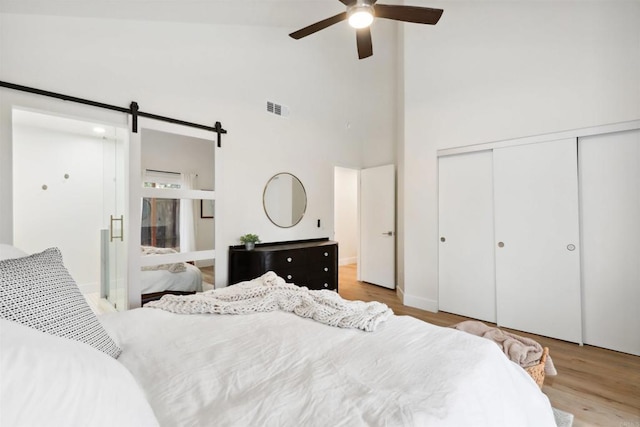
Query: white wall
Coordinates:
[204,73]
[69,213]
[346,214]
[499,70]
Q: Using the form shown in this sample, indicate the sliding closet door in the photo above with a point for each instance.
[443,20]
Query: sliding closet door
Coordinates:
[610,207]
[466,254]
[537,239]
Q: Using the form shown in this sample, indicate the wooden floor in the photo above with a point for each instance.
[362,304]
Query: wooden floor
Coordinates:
[599,387]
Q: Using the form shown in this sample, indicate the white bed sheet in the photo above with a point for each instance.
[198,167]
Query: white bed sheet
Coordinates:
[279,369]
[164,280]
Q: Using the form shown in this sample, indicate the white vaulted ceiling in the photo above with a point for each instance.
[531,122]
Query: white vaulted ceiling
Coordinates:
[279,13]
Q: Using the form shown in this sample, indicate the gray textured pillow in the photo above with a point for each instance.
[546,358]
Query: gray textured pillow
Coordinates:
[38,291]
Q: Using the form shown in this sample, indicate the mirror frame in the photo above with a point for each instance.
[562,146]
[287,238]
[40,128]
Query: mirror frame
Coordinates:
[306,200]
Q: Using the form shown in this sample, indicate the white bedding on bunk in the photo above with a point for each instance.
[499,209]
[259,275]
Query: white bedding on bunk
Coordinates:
[282,370]
[164,280]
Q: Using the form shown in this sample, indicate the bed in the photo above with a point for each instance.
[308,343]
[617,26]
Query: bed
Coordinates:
[157,281]
[189,280]
[269,369]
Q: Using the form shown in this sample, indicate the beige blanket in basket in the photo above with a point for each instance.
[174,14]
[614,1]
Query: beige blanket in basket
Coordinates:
[524,351]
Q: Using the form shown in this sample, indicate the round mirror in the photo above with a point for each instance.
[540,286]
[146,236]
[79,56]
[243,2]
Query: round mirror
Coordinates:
[284,200]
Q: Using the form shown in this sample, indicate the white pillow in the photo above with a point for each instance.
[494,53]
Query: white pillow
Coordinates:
[38,291]
[10,252]
[54,381]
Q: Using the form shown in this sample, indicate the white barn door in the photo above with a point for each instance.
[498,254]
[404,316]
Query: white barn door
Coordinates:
[191,155]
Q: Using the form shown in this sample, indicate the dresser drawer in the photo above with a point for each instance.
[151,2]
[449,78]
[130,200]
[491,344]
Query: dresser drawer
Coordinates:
[322,269]
[322,282]
[328,253]
[291,259]
[244,266]
[297,276]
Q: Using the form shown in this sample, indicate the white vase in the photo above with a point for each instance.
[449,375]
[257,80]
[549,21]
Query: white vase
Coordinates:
[249,246]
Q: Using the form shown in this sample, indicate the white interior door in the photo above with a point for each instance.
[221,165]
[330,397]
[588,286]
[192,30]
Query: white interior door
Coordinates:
[537,235]
[466,273]
[610,208]
[377,226]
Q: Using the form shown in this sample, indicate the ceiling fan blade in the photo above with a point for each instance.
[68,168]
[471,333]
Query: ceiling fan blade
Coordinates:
[363,38]
[321,25]
[419,15]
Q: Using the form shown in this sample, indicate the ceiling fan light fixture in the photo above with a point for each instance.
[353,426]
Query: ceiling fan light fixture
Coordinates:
[360,15]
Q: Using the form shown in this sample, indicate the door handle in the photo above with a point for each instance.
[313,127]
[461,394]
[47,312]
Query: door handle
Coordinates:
[111,235]
[388,233]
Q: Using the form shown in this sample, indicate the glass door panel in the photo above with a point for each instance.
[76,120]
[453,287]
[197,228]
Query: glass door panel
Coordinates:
[114,243]
[67,183]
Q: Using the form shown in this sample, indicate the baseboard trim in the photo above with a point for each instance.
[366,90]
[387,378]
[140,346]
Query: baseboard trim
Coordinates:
[418,302]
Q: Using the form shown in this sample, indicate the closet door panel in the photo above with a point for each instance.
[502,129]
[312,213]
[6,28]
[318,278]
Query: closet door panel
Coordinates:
[537,236]
[610,207]
[466,254]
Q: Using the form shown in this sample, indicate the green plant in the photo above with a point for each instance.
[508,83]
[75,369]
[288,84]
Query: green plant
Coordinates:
[250,238]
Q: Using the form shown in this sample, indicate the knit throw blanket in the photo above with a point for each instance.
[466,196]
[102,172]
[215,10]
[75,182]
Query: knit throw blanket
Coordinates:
[269,293]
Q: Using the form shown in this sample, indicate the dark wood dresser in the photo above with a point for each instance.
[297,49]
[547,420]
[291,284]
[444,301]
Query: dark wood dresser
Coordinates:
[312,263]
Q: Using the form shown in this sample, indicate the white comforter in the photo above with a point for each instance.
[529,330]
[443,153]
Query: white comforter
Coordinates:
[277,369]
[163,280]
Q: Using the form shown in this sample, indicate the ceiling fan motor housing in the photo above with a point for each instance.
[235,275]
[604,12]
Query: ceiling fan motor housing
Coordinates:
[361,13]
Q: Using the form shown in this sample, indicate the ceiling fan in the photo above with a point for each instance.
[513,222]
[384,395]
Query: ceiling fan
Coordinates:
[361,13]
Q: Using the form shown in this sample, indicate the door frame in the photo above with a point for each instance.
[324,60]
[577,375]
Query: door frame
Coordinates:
[356,196]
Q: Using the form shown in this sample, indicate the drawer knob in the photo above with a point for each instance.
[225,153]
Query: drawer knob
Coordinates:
[326,285]
[326,269]
[326,254]
[289,259]
[288,276]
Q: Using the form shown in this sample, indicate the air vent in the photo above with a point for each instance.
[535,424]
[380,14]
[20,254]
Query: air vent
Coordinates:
[277,109]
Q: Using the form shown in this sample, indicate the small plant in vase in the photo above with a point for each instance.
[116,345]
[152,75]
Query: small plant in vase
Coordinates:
[249,240]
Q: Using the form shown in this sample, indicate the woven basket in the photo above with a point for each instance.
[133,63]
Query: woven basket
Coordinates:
[537,371]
